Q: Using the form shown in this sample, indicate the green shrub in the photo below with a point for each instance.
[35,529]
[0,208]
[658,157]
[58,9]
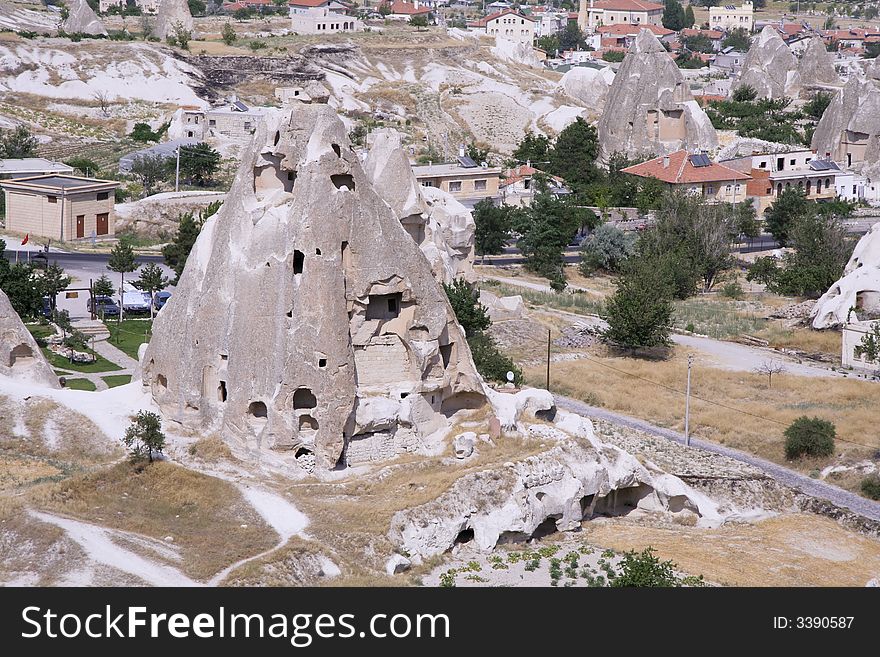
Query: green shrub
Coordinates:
[643,569]
[871,487]
[733,290]
[491,363]
[810,437]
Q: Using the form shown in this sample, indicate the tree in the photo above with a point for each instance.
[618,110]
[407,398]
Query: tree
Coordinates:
[51,282]
[229,34]
[809,436]
[492,227]
[18,283]
[643,569]
[769,368]
[829,24]
[143,132]
[103,287]
[606,248]
[180,36]
[177,251]
[689,18]
[871,12]
[818,104]
[699,43]
[418,22]
[738,39]
[533,148]
[639,313]
[869,346]
[122,262]
[198,162]
[144,436]
[103,99]
[465,300]
[572,38]
[744,94]
[476,153]
[18,143]
[821,249]
[85,165]
[197,7]
[385,9]
[573,156]
[781,215]
[150,170]
[549,43]
[673,15]
[242,14]
[151,280]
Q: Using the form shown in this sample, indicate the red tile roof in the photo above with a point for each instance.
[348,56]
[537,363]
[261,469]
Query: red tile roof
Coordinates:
[626,5]
[680,170]
[307,3]
[521,172]
[626,29]
[407,8]
[491,17]
[709,34]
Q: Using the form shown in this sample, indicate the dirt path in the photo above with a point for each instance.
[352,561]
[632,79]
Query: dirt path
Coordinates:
[813,487]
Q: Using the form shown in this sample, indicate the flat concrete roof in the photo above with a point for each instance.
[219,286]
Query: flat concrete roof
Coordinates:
[32,165]
[57,183]
[431,170]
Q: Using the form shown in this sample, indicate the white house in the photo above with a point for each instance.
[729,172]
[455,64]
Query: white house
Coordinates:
[509,25]
[593,13]
[323,20]
[401,10]
[730,17]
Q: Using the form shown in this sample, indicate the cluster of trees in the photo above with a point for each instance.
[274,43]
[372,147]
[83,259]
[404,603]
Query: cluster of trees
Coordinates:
[676,17]
[474,319]
[819,242]
[26,285]
[764,118]
[569,38]
[17,143]
[198,164]
[190,225]
[143,132]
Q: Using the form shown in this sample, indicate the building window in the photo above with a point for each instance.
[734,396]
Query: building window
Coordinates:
[480,185]
[455,186]
[710,189]
[212,122]
[103,196]
[52,199]
[762,165]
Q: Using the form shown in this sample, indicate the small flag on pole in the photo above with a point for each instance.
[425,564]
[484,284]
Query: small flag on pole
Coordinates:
[26,238]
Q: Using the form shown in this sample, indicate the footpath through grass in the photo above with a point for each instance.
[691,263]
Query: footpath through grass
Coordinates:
[130,334]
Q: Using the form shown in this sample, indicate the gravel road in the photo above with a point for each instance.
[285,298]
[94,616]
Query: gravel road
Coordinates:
[813,487]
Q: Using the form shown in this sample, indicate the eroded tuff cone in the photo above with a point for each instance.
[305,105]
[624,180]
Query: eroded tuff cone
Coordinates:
[650,109]
[168,14]
[770,67]
[816,67]
[442,227]
[20,356]
[849,130]
[306,318]
[81,19]
[589,86]
[860,280]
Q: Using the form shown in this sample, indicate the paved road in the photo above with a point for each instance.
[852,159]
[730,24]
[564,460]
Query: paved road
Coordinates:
[72,260]
[813,487]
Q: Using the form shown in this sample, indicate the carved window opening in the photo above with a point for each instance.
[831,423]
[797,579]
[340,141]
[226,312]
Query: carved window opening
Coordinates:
[303,398]
[299,259]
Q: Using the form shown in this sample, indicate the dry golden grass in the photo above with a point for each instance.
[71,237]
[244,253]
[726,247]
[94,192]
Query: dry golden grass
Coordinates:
[212,449]
[851,404]
[789,550]
[17,472]
[354,516]
[205,47]
[209,519]
[803,338]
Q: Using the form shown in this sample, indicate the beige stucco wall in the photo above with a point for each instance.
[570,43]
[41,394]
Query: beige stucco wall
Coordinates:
[468,185]
[33,214]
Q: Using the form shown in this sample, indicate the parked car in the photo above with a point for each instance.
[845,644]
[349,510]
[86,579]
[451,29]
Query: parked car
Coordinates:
[46,310]
[103,307]
[135,302]
[160,299]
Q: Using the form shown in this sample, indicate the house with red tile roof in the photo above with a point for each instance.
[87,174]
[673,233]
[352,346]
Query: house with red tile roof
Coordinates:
[622,35]
[401,10]
[695,174]
[508,24]
[517,189]
[612,12]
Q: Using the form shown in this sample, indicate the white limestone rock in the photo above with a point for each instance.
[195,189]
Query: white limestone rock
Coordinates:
[816,67]
[169,14]
[463,444]
[81,19]
[588,86]
[512,409]
[859,285]
[503,308]
[770,67]
[849,130]
[650,109]
[441,226]
[20,356]
[396,564]
[574,480]
[303,304]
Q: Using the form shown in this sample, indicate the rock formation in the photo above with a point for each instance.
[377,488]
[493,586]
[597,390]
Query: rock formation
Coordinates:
[770,67]
[20,356]
[441,226]
[169,14]
[858,288]
[849,130]
[81,19]
[588,86]
[650,109]
[816,67]
[306,318]
[503,308]
[577,478]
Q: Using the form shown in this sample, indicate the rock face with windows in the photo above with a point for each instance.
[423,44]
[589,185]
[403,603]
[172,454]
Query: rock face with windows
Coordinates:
[20,356]
[650,109]
[442,227]
[306,319]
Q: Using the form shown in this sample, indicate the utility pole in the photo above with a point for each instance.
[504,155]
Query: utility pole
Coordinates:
[687,405]
[548,359]
[177,171]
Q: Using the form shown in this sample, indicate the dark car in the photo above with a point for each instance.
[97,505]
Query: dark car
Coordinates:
[160,299]
[103,307]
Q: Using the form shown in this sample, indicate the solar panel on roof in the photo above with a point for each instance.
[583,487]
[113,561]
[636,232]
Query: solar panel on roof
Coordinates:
[821,165]
[699,160]
[466,162]
[240,106]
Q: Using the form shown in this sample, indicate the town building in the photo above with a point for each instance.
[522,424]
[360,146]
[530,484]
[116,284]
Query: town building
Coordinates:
[593,13]
[308,92]
[548,20]
[60,207]
[695,174]
[464,179]
[517,188]
[323,20]
[730,17]
[31,166]
[729,60]
[852,335]
[235,121]
[306,6]
[146,6]
[622,35]
[404,11]
[507,24]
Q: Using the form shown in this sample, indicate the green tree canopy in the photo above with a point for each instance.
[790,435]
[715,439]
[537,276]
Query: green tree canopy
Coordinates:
[639,313]
[198,162]
[533,148]
[673,15]
[573,155]
[492,227]
[18,143]
[177,251]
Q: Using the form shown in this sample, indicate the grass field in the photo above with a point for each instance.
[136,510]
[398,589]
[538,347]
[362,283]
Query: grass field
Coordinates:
[101,364]
[80,384]
[116,380]
[129,334]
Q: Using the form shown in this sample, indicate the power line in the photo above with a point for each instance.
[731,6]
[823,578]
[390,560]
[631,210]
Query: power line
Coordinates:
[708,401]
